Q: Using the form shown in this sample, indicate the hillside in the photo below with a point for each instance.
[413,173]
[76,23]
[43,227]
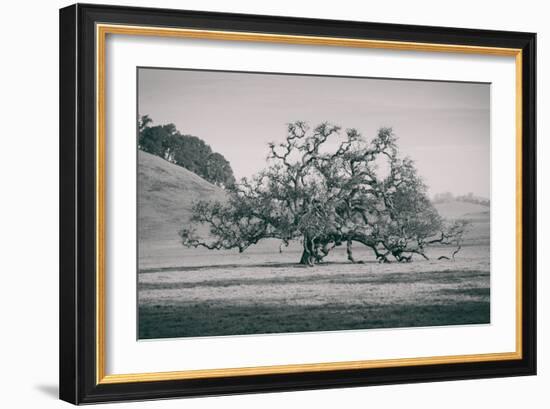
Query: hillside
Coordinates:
[457,209]
[478,215]
[166,193]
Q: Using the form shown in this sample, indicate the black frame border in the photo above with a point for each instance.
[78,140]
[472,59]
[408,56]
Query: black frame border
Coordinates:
[78,210]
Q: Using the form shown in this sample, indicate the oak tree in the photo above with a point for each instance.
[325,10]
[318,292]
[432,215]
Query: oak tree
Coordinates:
[327,187]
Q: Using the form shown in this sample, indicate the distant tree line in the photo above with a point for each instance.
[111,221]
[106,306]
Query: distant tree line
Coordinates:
[469,198]
[186,151]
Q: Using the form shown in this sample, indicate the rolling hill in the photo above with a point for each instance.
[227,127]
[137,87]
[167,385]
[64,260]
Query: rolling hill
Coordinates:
[455,209]
[478,231]
[166,193]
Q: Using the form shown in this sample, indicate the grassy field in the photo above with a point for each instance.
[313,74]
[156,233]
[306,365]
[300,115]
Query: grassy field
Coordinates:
[271,297]
[196,292]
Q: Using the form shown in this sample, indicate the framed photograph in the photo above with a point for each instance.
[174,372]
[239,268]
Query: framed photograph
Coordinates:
[257,203]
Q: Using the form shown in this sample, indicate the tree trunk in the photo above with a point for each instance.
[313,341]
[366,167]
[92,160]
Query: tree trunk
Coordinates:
[349,251]
[308,254]
[306,258]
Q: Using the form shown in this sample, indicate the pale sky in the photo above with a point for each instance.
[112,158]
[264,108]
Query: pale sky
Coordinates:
[443,126]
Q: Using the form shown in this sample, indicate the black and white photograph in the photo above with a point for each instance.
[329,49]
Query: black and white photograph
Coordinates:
[279,203]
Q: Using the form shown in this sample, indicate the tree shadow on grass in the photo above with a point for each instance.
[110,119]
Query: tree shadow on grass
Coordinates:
[207,319]
[252,265]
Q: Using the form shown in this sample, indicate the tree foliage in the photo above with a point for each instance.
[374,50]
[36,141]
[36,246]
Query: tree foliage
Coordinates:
[329,187]
[187,151]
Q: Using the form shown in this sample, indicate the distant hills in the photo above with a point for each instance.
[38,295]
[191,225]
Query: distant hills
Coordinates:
[475,209]
[479,216]
[456,209]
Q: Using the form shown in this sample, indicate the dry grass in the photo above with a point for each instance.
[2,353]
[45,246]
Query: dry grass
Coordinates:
[166,193]
[284,297]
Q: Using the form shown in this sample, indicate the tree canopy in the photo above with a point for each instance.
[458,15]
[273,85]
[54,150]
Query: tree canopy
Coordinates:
[187,151]
[329,187]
